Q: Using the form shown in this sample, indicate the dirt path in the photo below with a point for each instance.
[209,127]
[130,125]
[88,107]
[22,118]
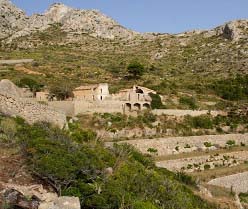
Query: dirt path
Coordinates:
[27,71]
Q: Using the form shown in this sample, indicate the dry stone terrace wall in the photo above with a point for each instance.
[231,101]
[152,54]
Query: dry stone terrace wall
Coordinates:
[14,62]
[238,182]
[175,145]
[31,111]
[180,113]
[197,163]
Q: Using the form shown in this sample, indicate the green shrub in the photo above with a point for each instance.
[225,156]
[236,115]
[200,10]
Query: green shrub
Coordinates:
[144,205]
[232,88]
[230,142]
[188,102]
[156,101]
[135,69]
[8,128]
[203,121]
[244,197]
[207,167]
[30,83]
[186,179]
[208,144]
[152,150]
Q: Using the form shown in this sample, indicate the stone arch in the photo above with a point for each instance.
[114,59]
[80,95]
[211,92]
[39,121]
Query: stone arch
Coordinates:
[137,106]
[128,106]
[146,106]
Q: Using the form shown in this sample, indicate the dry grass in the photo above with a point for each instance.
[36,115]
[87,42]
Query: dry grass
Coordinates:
[207,175]
[198,153]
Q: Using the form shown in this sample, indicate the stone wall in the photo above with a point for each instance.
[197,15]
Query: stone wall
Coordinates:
[83,107]
[237,182]
[14,62]
[31,111]
[180,113]
[221,160]
[67,107]
[174,145]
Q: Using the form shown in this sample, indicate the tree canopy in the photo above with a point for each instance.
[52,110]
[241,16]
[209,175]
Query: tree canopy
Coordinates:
[135,69]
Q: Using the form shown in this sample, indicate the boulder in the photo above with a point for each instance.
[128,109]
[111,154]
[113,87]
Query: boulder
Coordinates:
[62,203]
[10,89]
[16,199]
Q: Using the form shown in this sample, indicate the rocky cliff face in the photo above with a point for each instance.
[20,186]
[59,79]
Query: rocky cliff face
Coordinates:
[12,19]
[234,30]
[14,23]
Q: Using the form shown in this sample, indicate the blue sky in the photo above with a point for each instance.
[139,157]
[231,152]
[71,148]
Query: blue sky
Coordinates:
[172,16]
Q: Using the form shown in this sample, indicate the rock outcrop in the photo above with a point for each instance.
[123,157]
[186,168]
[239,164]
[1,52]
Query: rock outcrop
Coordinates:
[62,203]
[12,103]
[12,19]
[14,23]
[234,30]
[38,198]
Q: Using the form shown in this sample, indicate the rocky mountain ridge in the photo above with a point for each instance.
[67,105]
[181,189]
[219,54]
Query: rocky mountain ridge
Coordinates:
[14,23]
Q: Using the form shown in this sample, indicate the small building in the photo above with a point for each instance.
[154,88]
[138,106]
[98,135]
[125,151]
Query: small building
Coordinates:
[42,96]
[91,92]
[136,98]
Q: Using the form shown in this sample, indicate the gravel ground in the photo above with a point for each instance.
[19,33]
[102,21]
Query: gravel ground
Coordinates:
[239,182]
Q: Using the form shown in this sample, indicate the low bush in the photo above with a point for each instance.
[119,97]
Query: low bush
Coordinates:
[156,102]
[232,88]
[203,121]
[189,102]
[244,197]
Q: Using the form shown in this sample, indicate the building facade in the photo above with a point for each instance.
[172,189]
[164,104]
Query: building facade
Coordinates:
[96,98]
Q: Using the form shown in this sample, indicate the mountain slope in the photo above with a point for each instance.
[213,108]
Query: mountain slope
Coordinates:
[72,47]
[12,19]
[15,24]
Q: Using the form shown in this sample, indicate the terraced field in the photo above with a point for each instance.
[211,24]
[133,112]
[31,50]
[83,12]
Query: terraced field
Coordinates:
[218,163]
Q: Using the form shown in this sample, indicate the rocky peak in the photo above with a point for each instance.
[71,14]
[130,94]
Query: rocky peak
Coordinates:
[57,11]
[14,23]
[234,30]
[12,18]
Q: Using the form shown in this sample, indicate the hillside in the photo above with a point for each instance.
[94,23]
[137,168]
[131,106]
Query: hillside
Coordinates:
[75,163]
[77,46]
[65,48]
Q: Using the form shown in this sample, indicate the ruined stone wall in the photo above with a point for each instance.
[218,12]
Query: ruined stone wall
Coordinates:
[31,111]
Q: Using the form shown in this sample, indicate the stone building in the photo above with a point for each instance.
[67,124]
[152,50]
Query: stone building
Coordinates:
[91,92]
[96,98]
[136,98]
